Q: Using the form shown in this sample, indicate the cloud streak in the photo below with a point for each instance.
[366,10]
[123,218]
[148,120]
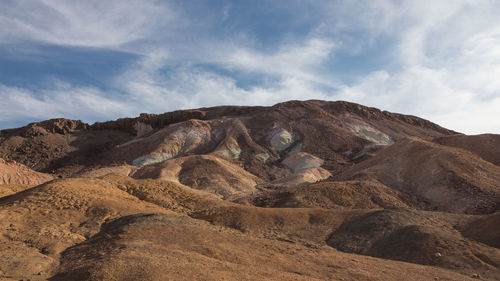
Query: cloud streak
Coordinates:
[442,58]
[60,100]
[448,54]
[90,23]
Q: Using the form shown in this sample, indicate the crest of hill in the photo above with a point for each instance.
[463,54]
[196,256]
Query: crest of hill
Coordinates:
[261,139]
[429,238]
[333,131]
[205,174]
[55,144]
[332,107]
[354,194]
[446,178]
[225,255]
[486,145]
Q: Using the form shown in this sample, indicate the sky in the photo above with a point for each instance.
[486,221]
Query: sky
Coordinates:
[100,60]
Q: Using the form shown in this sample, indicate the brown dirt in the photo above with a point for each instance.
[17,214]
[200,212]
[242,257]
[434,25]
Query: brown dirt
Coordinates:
[38,223]
[485,229]
[58,144]
[15,173]
[416,237]
[172,197]
[323,129]
[447,178]
[485,146]
[130,248]
[9,189]
[335,195]
[79,229]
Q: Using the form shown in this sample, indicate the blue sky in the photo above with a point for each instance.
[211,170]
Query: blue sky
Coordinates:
[101,60]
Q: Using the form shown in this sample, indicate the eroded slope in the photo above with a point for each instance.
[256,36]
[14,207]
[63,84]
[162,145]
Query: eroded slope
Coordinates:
[445,178]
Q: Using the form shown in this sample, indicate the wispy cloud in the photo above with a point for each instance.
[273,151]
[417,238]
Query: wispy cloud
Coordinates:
[188,86]
[59,100]
[90,23]
[448,55]
[442,57]
[291,60]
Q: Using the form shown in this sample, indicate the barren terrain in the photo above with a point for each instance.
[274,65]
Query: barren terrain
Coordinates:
[310,190]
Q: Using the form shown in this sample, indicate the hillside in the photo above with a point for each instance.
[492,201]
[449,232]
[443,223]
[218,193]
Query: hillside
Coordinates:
[445,178]
[485,146]
[302,190]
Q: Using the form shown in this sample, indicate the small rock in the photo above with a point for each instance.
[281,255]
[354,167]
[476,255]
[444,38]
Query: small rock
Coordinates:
[475,275]
[437,255]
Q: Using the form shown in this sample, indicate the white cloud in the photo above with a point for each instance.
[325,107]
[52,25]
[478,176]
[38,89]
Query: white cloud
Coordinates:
[190,87]
[91,23]
[144,88]
[444,59]
[59,100]
[435,94]
[449,54]
[291,60]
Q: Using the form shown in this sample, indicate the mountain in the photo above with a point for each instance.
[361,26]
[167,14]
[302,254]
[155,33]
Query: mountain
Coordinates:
[302,190]
[337,132]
